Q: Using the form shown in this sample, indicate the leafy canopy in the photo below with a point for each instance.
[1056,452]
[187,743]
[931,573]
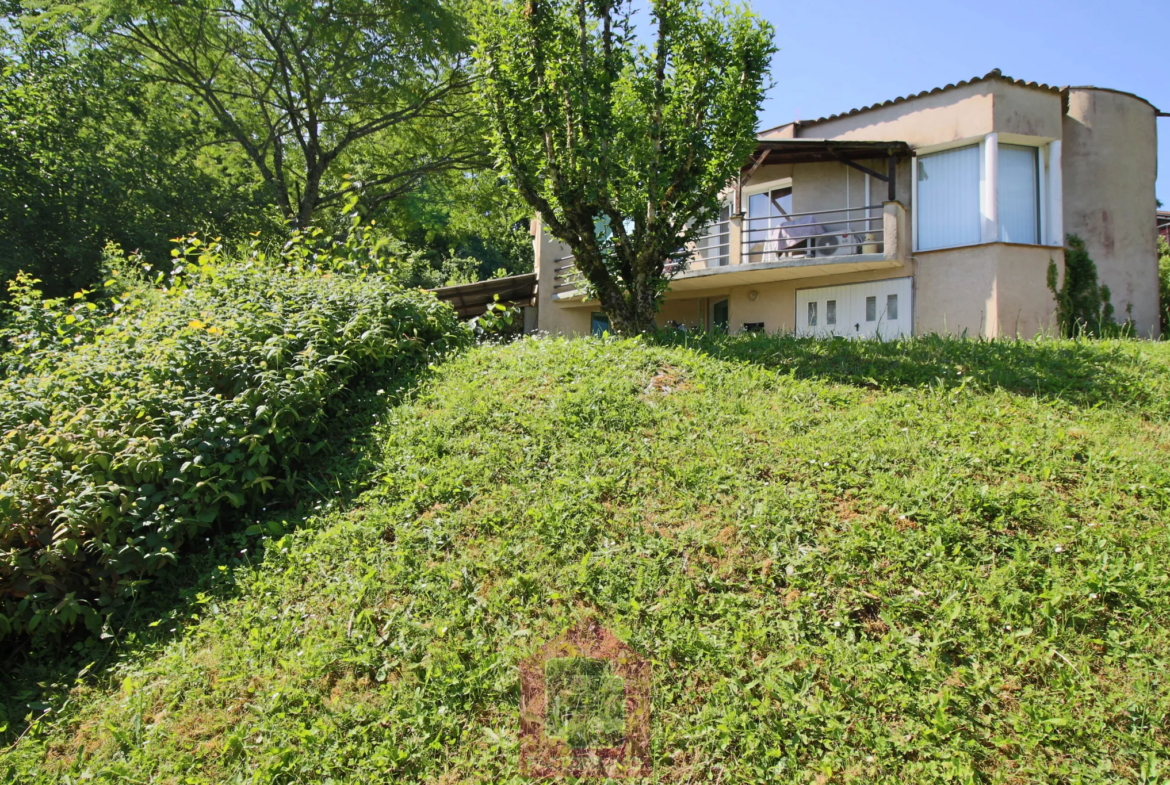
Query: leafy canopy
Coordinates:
[295,85]
[89,155]
[621,147]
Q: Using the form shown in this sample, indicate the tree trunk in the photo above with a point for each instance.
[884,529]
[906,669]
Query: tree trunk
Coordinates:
[645,308]
[630,313]
[308,203]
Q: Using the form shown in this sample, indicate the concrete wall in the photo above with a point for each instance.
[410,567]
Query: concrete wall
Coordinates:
[766,174]
[822,186]
[551,317]
[1025,307]
[691,312]
[955,292]
[828,186]
[1026,111]
[932,119]
[998,290]
[1110,164]
[775,303]
[949,116]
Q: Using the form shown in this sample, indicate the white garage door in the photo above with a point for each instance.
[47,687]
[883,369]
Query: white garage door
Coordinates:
[856,310]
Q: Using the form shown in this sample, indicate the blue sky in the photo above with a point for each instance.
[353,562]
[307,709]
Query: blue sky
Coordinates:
[835,56]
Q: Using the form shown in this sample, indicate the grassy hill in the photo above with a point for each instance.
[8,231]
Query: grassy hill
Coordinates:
[912,562]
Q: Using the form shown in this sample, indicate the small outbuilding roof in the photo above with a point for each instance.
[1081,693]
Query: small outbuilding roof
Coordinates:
[472,299]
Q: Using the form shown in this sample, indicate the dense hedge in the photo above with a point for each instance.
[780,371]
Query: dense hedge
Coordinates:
[131,422]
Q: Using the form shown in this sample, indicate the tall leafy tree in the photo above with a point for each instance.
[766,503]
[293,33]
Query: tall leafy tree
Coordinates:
[474,217]
[621,147]
[87,156]
[298,86]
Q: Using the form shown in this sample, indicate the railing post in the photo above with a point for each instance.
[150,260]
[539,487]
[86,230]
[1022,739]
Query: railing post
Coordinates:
[735,239]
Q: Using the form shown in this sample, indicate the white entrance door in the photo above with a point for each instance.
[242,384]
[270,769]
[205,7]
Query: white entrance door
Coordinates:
[857,310]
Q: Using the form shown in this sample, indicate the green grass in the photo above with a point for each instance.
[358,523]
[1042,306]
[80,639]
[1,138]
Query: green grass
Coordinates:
[923,561]
[585,702]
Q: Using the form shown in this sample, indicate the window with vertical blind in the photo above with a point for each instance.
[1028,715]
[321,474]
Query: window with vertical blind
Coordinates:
[948,198]
[1019,194]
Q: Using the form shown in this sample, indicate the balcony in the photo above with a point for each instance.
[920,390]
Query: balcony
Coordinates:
[738,250]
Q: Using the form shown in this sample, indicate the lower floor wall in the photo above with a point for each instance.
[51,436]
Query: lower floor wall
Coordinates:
[993,291]
[990,291]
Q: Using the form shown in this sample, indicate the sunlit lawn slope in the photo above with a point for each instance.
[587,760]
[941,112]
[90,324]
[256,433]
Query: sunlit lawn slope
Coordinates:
[916,562]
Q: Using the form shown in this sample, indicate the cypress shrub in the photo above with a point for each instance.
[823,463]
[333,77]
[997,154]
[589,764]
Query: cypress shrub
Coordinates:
[1082,303]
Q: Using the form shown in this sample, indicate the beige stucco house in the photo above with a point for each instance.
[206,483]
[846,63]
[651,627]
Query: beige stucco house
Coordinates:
[937,212]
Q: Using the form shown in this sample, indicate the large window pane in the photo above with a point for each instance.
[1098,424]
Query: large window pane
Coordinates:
[948,198]
[766,212]
[1019,192]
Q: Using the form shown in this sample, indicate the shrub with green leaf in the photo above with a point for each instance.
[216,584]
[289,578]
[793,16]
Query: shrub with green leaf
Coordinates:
[133,422]
[1164,285]
[1082,303]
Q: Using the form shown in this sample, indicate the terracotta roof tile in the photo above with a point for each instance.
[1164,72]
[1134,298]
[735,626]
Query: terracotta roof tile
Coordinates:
[993,74]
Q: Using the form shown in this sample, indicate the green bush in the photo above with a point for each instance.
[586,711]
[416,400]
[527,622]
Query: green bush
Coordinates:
[1083,304]
[135,421]
[1164,285]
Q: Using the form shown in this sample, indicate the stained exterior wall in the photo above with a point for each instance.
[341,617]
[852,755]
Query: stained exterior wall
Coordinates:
[1025,308]
[994,291]
[997,290]
[1110,164]
[775,303]
[691,312]
[1026,111]
[946,116]
[973,110]
[955,292]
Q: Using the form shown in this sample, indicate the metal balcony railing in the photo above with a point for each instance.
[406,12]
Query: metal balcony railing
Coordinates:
[713,249]
[566,276]
[819,233]
[841,232]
